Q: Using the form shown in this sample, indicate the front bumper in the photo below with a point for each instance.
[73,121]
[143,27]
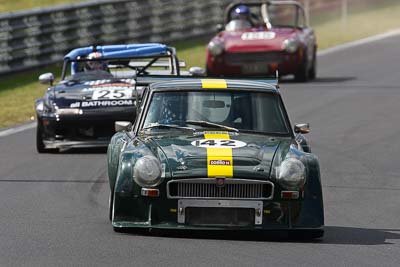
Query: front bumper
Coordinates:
[254,64]
[161,213]
[76,131]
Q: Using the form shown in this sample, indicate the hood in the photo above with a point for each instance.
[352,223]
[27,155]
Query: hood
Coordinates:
[257,40]
[94,94]
[199,155]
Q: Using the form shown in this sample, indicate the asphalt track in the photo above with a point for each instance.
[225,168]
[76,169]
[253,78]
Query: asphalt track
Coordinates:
[53,208]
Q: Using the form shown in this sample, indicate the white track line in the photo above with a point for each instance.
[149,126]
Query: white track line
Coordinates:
[320,53]
[367,40]
[17,129]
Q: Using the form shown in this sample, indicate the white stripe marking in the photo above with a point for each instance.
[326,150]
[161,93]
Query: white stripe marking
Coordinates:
[363,41]
[17,129]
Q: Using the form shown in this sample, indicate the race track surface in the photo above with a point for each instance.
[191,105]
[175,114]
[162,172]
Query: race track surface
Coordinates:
[54,207]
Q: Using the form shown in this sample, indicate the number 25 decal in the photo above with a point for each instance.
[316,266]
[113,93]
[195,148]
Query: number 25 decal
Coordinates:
[218,143]
[112,94]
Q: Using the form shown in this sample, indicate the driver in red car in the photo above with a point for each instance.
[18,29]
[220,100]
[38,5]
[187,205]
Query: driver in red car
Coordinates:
[240,19]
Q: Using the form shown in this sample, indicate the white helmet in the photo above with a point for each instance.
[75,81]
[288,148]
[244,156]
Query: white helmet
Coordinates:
[95,64]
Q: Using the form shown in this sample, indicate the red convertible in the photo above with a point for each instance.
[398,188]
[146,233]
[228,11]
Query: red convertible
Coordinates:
[262,37]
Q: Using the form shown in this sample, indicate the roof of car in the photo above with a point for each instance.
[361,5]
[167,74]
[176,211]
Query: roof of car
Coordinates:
[206,83]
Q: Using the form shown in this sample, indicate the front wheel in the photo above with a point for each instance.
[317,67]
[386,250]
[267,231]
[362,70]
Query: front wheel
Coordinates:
[302,75]
[40,146]
[111,204]
[313,70]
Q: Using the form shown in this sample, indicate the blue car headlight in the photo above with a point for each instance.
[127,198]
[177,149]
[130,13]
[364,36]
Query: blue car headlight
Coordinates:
[291,174]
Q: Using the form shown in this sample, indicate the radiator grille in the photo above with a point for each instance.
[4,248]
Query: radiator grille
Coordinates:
[232,189]
[242,58]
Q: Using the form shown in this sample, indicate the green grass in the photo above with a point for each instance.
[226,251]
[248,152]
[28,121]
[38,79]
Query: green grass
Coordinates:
[16,5]
[18,91]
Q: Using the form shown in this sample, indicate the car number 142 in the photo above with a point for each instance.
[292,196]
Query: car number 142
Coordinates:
[107,93]
[218,143]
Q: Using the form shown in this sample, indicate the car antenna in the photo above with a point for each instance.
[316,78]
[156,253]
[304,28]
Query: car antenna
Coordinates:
[277,78]
[136,92]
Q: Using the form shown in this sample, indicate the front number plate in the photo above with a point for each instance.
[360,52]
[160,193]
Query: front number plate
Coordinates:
[203,203]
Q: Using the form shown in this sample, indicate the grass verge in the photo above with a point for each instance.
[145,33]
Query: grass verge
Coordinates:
[18,91]
[11,6]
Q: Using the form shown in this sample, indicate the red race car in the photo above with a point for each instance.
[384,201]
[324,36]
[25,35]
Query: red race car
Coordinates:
[260,38]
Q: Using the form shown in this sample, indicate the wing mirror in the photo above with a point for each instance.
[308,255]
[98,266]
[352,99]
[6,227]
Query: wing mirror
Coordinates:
[302,128]
[123,126]
[219,27]
[197,71]
[46,78]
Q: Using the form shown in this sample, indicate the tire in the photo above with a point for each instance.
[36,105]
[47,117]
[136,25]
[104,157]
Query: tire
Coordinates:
[302,75]
[313,70]
[111,205]
[40,147]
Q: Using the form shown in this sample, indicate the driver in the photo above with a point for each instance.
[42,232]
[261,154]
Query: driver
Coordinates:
[242,12]
[95,64]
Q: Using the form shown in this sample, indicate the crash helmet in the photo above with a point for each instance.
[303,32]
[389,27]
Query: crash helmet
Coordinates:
[95,64]
[241,12]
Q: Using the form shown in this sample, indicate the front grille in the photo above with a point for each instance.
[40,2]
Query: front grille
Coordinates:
[206,188]
[243,58]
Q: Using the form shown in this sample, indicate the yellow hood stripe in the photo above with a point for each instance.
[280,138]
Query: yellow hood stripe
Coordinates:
[219,160]
[213,83]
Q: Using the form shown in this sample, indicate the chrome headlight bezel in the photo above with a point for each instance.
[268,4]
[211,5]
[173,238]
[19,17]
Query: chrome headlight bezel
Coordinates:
[291,45]
[147,171]
[291,174]
[216,47]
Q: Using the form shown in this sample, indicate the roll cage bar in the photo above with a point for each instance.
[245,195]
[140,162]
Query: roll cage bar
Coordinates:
[123,56]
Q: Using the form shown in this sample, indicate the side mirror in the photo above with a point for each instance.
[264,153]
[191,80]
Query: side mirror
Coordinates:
[123,126]
[197,71]
[219,27]
[302,128]
[46,78]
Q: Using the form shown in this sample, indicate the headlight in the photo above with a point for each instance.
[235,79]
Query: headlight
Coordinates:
[147,171]
[68,111]
[40,106]
[291,174]
[290,45]
[216,47]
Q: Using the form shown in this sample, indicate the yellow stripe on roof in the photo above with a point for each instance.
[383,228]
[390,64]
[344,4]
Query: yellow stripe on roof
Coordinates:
[213,83]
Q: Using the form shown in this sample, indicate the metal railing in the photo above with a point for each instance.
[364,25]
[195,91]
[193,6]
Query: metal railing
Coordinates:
[39,37]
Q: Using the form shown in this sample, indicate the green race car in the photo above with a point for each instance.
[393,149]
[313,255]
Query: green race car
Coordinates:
[214,154]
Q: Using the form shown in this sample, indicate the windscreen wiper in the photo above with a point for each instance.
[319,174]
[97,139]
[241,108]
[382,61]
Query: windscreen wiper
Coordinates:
[169,126]
[207,123]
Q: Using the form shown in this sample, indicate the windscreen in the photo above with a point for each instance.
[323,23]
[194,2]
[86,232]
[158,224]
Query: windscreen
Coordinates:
[245,111]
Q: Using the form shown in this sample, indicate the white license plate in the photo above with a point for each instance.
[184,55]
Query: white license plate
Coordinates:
[255,68]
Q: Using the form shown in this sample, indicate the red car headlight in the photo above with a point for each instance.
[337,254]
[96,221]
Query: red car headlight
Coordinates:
[216,47]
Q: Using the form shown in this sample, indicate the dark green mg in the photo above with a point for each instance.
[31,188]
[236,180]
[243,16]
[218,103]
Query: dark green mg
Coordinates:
[214,154]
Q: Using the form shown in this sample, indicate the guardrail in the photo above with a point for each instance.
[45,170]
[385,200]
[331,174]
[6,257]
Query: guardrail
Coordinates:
[42,36]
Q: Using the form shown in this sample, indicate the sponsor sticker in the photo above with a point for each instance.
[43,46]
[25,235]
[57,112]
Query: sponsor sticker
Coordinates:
[220,162]
[103,103]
